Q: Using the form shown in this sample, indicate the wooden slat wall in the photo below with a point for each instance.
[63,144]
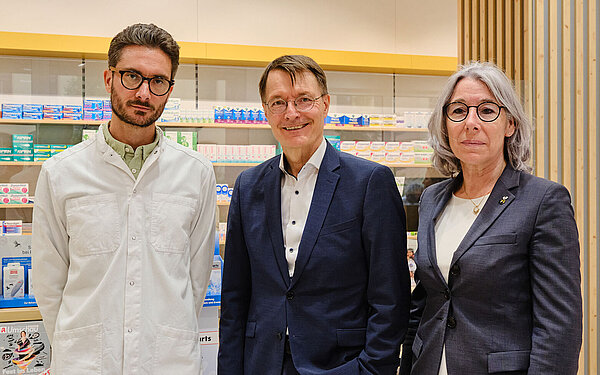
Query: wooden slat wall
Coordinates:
[550,49]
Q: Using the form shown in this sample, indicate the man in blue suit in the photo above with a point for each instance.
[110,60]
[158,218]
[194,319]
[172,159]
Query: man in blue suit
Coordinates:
[315,279]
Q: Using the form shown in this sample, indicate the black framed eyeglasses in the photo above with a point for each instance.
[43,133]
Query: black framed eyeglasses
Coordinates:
[131,80]
[302,103]
[486,111]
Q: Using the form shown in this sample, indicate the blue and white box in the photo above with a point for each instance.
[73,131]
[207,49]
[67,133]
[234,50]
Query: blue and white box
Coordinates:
[93,105]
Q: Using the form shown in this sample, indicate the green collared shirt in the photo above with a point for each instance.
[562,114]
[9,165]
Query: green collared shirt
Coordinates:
[133,158]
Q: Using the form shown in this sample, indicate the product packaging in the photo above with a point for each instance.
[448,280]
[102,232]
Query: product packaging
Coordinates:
[26,348]
[72,109]
[93,105]
[188,139]
[32,115]
[51,108]
[13,281]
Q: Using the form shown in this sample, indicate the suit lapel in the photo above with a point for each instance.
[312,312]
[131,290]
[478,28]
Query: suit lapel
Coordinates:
[499,199]
[442,199]
[324,188]
[272,199]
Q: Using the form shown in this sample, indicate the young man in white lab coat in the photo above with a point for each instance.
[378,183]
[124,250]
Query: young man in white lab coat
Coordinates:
[124,228]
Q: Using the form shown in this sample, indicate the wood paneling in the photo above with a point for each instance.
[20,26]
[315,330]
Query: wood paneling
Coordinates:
[550,49]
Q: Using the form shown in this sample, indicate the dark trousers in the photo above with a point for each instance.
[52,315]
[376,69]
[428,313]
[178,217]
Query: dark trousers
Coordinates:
[288,362]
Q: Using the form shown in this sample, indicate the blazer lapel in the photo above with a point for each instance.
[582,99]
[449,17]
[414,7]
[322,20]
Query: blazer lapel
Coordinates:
[324,188]
[272,199]
[499,199]
[442,199]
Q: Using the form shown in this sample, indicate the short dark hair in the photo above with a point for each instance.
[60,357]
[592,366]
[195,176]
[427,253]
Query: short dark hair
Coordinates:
[293,64]
[147,35]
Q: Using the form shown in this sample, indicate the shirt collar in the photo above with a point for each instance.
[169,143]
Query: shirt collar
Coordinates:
[315,160]
[123,148]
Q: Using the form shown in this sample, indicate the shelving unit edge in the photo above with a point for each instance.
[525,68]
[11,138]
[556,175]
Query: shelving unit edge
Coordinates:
[91,47]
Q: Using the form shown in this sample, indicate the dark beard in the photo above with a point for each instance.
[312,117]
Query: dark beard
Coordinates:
[119,111]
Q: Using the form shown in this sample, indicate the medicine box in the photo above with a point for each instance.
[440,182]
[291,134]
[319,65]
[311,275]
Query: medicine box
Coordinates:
[72,116]
[188,139]
[93,105]
[72,109]
[51,108]
[22,138]
[13,281]
[88,134]
[12,108]
[9,188]
[12,116]
[14,198]
[363,146]
[34,108]
[93,115]
[12,227]
[32,115]
[348,146]
[53,116]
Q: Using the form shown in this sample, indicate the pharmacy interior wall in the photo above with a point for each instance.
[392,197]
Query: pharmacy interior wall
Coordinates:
[425,27]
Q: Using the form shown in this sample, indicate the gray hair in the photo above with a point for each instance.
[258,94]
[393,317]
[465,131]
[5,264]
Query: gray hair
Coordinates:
[147,35]
[517,147]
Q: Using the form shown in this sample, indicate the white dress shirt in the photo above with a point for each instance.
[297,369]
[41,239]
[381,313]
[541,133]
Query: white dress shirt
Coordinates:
[450,229]
[296,197]
[121,265]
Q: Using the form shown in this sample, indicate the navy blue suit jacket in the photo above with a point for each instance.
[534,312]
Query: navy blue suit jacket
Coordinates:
[347,305]
[512,304]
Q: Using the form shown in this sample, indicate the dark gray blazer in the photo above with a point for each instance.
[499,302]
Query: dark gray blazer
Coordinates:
[513,300]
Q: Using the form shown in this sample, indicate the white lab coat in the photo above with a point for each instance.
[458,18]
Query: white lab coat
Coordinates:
[121,266]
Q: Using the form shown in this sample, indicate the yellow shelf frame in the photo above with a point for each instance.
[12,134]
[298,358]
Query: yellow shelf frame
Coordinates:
[22,205]
[18,314]
[91,47]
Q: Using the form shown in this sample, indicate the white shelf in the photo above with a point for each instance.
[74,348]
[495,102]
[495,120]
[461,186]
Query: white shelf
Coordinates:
[211,125]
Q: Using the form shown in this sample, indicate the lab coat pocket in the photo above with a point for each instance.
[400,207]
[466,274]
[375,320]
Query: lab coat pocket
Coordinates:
[93,224]
[171,222]
[78,351]
[177,351]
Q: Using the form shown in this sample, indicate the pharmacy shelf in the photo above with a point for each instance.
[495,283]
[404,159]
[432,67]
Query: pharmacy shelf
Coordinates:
[391,165]
[226,204]
[20,163]
[235,164]
[93,47]
[20,205]
[18,314]
[213,125]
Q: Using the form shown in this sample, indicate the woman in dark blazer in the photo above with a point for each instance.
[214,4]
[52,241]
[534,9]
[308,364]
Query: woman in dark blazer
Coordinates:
[498,288]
